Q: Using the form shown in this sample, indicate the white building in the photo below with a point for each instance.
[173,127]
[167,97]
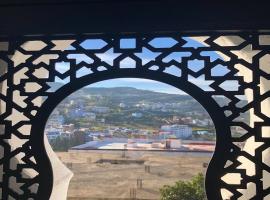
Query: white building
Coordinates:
[55,121]
[180,131]
[137,115]
[173,143]
[122,105]
[100,109]
[91,116]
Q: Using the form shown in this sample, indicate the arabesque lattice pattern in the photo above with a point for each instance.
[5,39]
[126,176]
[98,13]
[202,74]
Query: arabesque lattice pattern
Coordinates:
[218,65]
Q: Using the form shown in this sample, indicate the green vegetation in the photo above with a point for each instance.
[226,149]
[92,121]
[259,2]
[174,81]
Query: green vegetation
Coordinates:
[185,190]
[152,118]
[64,143]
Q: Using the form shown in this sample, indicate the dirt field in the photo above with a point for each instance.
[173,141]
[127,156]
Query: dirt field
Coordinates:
[112,175]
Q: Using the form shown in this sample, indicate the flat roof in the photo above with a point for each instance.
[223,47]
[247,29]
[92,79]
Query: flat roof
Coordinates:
[142,144]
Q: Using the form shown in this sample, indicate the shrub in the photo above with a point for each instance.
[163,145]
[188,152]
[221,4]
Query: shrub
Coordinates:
[185,190]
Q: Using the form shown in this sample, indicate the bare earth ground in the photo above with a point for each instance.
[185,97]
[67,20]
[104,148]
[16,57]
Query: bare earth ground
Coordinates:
[96,181]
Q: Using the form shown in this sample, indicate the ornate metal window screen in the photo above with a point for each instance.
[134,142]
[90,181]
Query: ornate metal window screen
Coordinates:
[28,96]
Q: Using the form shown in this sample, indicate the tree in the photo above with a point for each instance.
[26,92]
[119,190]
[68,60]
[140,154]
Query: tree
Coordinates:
[185,190]
[65,143]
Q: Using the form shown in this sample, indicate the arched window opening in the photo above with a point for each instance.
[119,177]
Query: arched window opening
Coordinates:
[132,138]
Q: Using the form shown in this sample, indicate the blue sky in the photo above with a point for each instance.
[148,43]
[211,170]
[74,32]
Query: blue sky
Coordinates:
[147,56]
[144,84]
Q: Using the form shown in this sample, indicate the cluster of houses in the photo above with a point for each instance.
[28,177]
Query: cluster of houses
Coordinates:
[115,137]
[179,127]
[202,122]
[158,106]
[56,128]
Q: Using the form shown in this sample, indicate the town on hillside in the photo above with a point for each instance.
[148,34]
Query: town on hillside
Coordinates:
[129,118]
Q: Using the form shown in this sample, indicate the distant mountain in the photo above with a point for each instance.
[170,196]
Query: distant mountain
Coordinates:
[127,94]
[132,96]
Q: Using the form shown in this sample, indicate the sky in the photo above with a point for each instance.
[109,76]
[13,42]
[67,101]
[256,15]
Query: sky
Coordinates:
[147,56]
[143,84]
